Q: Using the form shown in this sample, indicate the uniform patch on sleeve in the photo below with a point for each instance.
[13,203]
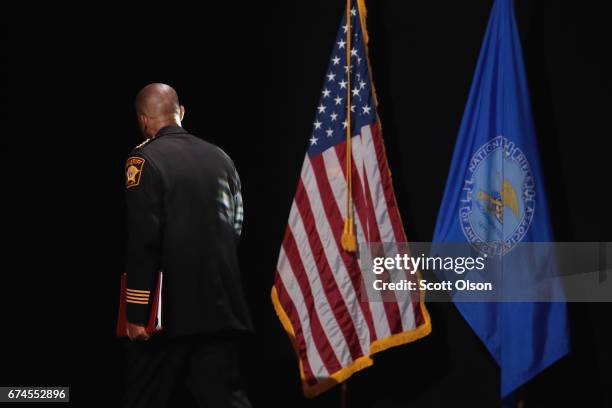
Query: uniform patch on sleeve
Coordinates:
[133,170]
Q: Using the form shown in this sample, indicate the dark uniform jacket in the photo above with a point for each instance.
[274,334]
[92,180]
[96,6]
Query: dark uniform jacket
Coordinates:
[184,210]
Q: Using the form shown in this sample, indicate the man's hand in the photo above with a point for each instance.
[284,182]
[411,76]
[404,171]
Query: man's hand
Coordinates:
[137,332]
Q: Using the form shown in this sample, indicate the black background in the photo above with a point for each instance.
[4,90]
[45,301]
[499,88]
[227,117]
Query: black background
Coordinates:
[250,76]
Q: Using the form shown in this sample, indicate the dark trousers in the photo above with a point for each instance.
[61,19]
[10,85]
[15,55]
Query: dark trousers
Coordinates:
[161,372]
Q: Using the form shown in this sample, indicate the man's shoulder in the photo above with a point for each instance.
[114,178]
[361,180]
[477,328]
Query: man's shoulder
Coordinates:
[142,145]
[211,148]
[222,153]
[167,147]
[141,148]
[154,148]
[143,152]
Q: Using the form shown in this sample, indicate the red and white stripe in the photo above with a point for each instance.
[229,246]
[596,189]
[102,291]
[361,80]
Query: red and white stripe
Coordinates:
[319,286]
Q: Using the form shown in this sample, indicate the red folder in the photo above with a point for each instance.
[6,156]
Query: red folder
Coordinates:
[154,324]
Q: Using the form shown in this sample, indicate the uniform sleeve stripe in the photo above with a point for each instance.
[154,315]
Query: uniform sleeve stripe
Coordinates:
[128,296]
[138,295]
[137,301]
[138,291]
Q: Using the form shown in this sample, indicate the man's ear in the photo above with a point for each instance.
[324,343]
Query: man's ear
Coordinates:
[142,121]
[181,112]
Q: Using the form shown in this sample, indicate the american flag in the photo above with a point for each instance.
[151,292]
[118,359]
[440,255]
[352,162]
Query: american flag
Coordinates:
[319,294]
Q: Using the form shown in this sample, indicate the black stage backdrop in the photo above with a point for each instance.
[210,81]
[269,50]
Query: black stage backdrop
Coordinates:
[250,76]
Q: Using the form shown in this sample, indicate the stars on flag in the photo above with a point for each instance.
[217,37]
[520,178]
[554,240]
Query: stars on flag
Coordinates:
[330,124]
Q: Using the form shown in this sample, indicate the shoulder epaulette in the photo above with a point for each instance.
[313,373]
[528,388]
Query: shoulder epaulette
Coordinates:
[143,143]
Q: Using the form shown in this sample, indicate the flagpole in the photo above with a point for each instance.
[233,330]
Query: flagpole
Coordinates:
[348,240]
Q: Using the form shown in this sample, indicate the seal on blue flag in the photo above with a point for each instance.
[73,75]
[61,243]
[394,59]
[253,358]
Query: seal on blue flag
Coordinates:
[498,197]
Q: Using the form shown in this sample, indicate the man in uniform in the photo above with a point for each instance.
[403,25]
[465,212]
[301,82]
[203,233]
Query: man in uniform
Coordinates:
[184,210]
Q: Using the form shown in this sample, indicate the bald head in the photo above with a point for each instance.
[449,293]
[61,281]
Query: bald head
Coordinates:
[157,106]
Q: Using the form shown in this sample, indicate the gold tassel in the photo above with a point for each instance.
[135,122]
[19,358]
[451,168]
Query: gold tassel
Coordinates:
[348,238]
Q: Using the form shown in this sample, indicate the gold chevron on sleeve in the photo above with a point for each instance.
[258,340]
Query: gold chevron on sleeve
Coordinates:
[136,296]
[138,291]
[139,302]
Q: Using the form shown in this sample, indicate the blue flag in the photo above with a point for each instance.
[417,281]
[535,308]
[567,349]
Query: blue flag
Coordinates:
[495,198]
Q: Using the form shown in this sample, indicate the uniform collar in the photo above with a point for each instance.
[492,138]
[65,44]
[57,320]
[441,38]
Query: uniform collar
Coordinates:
[168,130]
